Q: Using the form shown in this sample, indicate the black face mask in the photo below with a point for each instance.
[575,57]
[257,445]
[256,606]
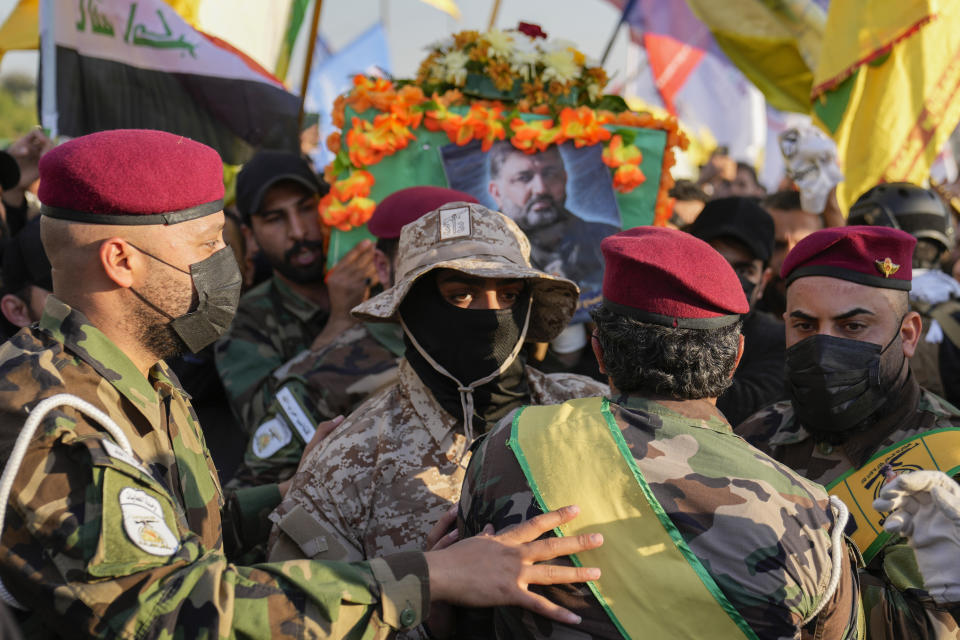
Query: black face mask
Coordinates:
[836,384]
[217,281]
[469,343]
[748,286]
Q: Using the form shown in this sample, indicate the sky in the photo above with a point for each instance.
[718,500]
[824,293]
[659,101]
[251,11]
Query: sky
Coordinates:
[412,25]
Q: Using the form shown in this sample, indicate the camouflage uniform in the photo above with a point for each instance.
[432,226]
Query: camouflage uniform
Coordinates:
[280,388]
[102,543]
[895,602]
[761,531]
[379,482]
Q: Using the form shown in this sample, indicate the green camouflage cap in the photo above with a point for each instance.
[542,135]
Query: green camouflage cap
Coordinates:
[479,242]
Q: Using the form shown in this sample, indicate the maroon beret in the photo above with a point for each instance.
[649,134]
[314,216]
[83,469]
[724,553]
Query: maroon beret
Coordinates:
[404,206]
[874,256]
[131,176]
[668,277]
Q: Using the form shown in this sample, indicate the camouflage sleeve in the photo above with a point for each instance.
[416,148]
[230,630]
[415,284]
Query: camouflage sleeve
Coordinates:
[895,603]
[96,548]
[245,520]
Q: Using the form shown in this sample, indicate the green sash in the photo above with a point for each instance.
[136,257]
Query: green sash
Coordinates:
[652,586]
[937,450]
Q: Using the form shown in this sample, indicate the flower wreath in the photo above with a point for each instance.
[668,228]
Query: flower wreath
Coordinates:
[479,87]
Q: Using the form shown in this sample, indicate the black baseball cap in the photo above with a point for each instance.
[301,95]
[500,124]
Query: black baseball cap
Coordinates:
[739,218]
[9,171]
[265,169]
[24,260]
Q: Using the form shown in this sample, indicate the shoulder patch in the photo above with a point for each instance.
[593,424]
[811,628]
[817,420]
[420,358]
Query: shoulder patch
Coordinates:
[144,524]
[295,413]
[270,437]
[114,450]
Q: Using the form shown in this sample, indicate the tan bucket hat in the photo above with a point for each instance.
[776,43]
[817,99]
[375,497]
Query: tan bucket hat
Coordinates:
[477,241]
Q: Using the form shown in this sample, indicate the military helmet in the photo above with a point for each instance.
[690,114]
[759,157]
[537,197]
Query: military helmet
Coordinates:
[905,206]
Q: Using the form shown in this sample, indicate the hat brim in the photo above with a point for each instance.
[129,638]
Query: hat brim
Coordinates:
[292,177]
[554,298]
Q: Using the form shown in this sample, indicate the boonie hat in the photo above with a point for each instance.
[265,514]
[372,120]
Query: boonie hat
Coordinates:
[474,240]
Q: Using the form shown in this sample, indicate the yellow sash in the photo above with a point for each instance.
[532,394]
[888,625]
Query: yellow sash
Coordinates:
[937,450]
[652,586]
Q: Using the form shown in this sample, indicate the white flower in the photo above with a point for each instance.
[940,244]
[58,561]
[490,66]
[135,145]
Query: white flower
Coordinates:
[557,45]
[523,63]
[560,66]
[501,43]
[593,91]
[455,66]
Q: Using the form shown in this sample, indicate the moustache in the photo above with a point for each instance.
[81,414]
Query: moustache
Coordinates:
[548,199]
[312,245]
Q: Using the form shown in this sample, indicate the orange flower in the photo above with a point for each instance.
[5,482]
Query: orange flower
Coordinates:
[367,142]
[339,106]
[486,124]
[450,97]
[464,38]
[359,210]
[627,177]
[358,183]
[617,154]
[371,92]
[329,175]
[536,135]
[533,91]
[501,75]
[557,88]
[582,126]
[454,127]
[333,142]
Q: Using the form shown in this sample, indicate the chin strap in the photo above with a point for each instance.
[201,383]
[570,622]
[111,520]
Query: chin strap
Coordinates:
[466,390]
[837,554]
[38,413]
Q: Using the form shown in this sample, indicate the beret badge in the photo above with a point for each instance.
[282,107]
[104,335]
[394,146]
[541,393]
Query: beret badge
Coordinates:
[887,267]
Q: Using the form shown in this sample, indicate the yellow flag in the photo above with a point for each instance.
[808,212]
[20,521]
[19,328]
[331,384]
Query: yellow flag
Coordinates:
[774,44]
[447,6]
[891,116]
[21,30]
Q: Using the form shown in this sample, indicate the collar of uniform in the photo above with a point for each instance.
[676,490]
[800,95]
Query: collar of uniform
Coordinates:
[301,308]
[71,327]
[701,413]
[789,430]
[434,417]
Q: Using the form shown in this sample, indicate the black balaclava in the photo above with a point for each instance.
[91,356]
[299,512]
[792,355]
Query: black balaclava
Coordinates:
[471,345]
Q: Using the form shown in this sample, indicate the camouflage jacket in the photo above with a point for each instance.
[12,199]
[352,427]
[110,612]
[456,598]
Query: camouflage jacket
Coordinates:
[895,602]
[101,542]
[273,325]
[380,481]
[761,531]
[316,386]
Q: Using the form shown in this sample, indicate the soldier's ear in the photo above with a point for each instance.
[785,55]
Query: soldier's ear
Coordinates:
[598,352]
[15,310]
[739,355]
[119,261]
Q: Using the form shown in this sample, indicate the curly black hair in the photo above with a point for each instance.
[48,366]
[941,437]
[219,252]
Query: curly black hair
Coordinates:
[685,364]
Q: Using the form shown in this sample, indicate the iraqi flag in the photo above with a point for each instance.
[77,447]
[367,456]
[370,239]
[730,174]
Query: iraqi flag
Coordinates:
[138,64]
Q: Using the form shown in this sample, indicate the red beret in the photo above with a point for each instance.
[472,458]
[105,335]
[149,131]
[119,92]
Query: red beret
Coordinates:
[874,256]
[404,206]
[131,176]
[668,277]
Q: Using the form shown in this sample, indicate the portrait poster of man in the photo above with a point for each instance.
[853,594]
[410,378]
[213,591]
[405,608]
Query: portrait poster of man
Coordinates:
[562,198]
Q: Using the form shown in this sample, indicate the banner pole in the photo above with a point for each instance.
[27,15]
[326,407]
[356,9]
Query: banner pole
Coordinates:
[48,63]
[308,62]
[613,36]
[493,14]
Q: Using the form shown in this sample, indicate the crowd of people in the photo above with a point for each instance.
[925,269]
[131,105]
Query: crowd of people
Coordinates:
[206,430]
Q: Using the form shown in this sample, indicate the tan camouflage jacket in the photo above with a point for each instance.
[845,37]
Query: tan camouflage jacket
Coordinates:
[894,600]
[760,530]
[103,543]
[380,481]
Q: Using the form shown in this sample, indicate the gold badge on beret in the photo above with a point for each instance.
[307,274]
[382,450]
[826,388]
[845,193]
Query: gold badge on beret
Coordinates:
[887,267]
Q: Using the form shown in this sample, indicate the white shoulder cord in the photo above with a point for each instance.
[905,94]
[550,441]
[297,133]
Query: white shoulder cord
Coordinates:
[23,441]
[837,554]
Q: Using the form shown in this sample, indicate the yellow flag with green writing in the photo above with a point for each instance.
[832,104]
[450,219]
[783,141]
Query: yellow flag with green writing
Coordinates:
[887,88]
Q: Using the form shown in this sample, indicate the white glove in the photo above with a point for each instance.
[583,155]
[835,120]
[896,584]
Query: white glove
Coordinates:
[811,159]
[924,507]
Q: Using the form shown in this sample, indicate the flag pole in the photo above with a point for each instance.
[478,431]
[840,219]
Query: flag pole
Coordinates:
[613,36]
[48,63]
[308,62]
[493,14]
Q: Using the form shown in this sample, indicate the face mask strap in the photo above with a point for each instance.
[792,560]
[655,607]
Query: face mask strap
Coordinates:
[147,253]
